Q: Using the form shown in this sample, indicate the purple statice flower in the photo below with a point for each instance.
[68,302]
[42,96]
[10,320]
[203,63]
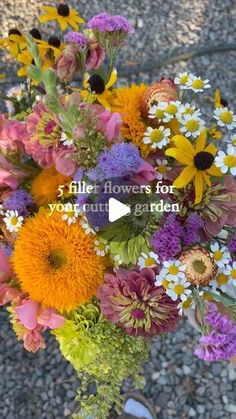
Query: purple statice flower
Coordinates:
[121,160]
[167,240]
[232,244]
[191,229]
[220,343]
[108,23]
[19,200]
[77,38]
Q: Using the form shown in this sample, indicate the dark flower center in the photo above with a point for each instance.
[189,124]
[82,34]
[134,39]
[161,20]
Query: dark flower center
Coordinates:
[203,160]
[56,259]
[35,33]
[54,41]
[63,10]
[97,84]
[14,32]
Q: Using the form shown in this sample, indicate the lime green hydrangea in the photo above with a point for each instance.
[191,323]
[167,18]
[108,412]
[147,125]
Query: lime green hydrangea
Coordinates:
[102,354]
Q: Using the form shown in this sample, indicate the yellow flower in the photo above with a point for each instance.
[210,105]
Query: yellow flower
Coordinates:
[55,263]
[45,186]
[2,76]
[53,47]
[15,42]
[63,15]
[215,133]
[100,90]
[127,102]
[199,162]
[26,58]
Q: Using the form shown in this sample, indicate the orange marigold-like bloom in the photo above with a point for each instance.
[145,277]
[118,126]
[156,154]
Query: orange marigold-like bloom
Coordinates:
[56,264]
[45,186]
[127,102]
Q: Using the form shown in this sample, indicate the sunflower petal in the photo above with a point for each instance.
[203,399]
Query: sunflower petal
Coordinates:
[198,183]
[185,177]
[71,21]
[184,145]
[112,79]
[214,171]
[62,22]
[201,141]
[180,156]
[211,149]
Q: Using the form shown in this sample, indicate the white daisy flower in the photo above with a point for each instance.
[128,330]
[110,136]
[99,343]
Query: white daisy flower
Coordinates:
[13,221]
[191,125]
[156,111]
[188,109]
[85,225]
[232,140]
[197,84]
[220,254]
[162,168]
[170,109]
[148,261]
[182,80]
[184,306]
[65,140]
[232,272]
[179,289]
[227,162]
[117,261]
[157,137]
[173,270]
[221,280]
[70,214]
[101,247]
[225,118]
[161,281]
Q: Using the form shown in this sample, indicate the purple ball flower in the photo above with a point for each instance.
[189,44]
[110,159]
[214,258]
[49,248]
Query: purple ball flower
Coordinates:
[77,38]
[190,232]
[120,160]
[108,23]
[220,343]
[19,200]
[167,240]
[232,244]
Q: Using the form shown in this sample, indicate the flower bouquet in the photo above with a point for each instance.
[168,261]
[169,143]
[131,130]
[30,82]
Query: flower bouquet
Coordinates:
[77,151]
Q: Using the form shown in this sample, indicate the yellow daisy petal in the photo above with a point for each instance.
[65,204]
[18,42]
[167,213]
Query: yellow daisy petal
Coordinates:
[206,178]
[180,156]
[185,177]
[113,79]
[50,10]
[201,141]
[22,72]
[184,145]
[198,183]
[214,171]
[71,21]
[103,99]
[62,22]
[46,18]
[211,149]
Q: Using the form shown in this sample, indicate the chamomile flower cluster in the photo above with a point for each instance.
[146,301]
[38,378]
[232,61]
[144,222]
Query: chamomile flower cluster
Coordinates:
[225,118]
[13,221]
[150,260]
[226,161]
[157,137]
[188,81]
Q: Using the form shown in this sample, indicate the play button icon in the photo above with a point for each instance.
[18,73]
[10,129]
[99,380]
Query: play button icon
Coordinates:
[117,210]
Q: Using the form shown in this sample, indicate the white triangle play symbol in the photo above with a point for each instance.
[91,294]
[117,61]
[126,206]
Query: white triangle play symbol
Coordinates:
[117,210]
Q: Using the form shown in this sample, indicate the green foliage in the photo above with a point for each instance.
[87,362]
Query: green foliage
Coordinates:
[102,354]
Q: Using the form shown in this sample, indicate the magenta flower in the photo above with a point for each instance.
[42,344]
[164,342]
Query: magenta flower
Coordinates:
[132,301]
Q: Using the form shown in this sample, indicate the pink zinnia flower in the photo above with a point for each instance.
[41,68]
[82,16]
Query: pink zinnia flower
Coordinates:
[132,301]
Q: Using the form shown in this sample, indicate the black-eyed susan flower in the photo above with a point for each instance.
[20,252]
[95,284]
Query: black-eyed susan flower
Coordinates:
[199,162]
[15,42]
[101,90]
[53,47]
[26,58]
[63,15]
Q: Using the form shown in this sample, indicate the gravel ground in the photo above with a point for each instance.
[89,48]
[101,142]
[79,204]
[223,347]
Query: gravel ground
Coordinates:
[42,386]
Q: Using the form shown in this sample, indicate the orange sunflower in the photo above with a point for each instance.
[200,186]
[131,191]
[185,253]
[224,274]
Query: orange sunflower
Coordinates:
[199,162]
[55,263]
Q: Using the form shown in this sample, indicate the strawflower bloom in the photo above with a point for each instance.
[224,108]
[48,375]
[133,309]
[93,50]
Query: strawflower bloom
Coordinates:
[227,162]
[200,266]
[162,91]
[65,257]
[132,301]
[225,118]
[199,162]
[220,343]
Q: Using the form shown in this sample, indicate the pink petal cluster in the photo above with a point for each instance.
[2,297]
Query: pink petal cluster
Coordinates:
[109,123]
[145,174]
[7,293]
[10,176]
[36,320]
[96,55]
[11,134]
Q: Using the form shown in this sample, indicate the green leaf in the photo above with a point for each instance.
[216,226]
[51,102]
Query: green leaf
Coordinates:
[34,73]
